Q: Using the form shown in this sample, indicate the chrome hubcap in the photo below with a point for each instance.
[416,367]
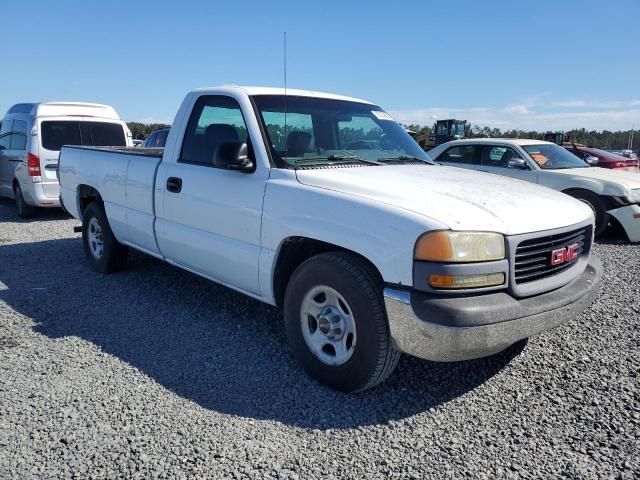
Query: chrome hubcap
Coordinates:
[94,236]
[328,327]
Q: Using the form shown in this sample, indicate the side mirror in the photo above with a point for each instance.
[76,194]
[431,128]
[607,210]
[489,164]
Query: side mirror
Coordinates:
[591,160]
[517,163]
[233,156]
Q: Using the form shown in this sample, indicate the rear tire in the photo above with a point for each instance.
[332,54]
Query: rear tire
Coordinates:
[597,205]
[352,353]
[104,252]
[24,209]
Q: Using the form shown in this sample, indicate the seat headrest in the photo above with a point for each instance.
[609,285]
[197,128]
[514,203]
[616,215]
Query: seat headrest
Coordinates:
[217,133]
[297,143]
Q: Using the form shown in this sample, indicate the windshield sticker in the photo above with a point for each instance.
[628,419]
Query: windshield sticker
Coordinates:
[380,115]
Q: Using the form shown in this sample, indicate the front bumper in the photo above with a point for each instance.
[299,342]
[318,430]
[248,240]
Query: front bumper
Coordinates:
[447,328]
[629,218]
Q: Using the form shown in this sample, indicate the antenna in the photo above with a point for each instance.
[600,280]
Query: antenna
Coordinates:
[286,153]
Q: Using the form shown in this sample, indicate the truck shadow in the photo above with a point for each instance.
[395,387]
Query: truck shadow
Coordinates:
[209,344]
[9,213]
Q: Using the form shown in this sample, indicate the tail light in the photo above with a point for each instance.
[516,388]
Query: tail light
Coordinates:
[33,165]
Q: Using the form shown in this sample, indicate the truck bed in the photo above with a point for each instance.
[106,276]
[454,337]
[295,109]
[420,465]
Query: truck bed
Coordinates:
[125,178]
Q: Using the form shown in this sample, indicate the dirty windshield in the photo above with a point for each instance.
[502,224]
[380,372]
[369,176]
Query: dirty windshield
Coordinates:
[307,132]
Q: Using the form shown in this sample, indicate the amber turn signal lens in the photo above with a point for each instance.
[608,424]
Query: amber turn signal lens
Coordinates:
[466,281]
[441,281]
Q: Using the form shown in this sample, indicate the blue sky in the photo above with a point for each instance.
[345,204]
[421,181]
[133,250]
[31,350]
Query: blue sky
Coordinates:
[508,64]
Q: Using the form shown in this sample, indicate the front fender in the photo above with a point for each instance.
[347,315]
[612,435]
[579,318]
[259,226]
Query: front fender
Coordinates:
[571,182]
[383,234]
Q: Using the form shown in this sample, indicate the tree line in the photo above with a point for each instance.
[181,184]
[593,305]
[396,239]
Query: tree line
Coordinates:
[141,131]
[605,139]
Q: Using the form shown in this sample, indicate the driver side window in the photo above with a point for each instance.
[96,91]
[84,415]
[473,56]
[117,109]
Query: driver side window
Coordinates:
[215,120]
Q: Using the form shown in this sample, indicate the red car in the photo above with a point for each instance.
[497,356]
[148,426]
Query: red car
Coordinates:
[605,159]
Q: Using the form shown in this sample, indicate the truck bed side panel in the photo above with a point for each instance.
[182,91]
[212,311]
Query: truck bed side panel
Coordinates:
[105,172]
[124,180]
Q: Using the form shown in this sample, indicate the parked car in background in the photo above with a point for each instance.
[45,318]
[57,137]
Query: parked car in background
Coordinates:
[605,159]
[31,137]
[609,193]
[157,139]
[137,143]
[370,251]
[629,154]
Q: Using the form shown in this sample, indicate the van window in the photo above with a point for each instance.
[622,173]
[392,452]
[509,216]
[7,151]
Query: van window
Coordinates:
[107,135]
[20,126]
[18,141]
[5,142]
[56,133]
[6,126]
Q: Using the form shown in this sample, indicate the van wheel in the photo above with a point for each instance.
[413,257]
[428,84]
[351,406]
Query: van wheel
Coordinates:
[104,252]
[336,322]
[24,209]
[599,210]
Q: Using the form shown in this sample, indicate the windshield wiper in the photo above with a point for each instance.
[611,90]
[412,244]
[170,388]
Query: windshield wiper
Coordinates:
[405,158]
[336,159]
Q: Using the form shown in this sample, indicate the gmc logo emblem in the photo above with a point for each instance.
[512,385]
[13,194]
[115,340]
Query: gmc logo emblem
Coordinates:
[565,254]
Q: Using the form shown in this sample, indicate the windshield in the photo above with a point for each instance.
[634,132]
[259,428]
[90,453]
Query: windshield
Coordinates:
[56,133]
[322,131]
[553,157]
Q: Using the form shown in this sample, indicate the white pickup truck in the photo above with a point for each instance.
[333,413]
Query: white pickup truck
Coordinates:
[323,205]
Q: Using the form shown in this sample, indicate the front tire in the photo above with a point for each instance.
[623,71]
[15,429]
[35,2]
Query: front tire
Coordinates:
[599,209]
[336,322]
[24,209]
[104,252]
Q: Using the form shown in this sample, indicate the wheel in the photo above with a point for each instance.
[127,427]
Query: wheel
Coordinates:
[336,322]
[24,209]
[104,252]
[597,205]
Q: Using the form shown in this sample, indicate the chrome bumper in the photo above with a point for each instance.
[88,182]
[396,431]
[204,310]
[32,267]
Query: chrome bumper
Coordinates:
[449,328]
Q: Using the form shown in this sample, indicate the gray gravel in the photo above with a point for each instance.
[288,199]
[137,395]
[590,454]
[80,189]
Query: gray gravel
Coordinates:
[155,372]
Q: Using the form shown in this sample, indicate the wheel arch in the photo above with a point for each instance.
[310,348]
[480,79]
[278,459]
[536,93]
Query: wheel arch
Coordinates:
[293,251]
[86,195]
[608,201]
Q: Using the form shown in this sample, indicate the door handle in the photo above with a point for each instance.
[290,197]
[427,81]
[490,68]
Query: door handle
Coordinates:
[174,184]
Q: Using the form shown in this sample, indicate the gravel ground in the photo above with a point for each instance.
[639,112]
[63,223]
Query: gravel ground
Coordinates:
[155,372]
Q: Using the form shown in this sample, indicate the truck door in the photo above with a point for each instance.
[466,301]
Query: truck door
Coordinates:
[210,218]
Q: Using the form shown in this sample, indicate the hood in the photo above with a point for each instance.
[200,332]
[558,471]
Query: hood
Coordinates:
[461,199]
[627,179]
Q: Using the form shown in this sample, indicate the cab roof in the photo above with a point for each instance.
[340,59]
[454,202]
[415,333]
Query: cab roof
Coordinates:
[280,91]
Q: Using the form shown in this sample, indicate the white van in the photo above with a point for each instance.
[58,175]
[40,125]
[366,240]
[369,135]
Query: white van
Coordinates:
[31,136]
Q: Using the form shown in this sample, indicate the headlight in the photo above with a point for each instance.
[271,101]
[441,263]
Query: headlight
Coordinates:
[450,246]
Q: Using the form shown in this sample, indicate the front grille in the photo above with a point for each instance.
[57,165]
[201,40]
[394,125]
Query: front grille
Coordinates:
[533,258]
